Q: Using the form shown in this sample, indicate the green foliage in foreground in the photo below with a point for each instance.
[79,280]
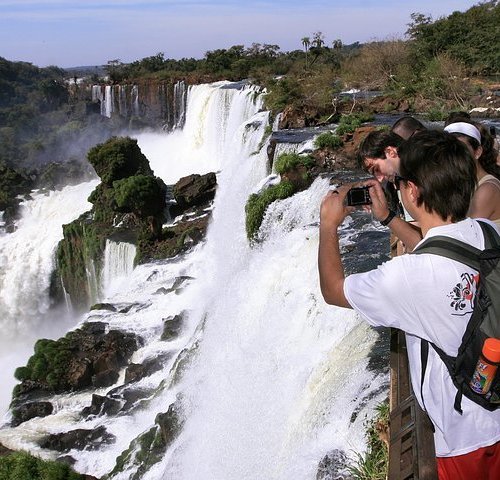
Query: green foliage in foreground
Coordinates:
[258,203]
[23,466]
[374,464]
[328,140]
[290,161]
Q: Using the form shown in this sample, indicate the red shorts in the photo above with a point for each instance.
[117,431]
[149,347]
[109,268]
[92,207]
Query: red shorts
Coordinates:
[481,464]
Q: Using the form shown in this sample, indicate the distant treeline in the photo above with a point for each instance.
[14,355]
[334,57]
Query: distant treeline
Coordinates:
[39,118]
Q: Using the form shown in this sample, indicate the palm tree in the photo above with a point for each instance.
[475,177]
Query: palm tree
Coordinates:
[318,39]
[306,42]
[317,45]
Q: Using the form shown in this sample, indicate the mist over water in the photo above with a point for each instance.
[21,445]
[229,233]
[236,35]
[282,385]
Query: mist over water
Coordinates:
[27,259]
[279,379]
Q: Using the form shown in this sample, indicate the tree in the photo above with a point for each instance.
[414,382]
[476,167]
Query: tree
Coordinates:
[337,44]
[306,42]
[141,194]
[317,45]
[115,70]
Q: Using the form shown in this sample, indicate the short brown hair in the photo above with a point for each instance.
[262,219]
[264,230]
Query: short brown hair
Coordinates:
[444,171]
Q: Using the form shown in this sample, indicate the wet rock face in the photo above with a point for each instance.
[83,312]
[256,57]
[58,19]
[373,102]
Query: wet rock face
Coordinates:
[77,439]
[30,410]
[173,327]
[83,358]
[195,190]
[102,405]
[333,466]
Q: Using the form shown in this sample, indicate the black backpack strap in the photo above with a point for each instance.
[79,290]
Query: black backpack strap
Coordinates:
[491,237]
[424,354]
[448,361]
[451,248]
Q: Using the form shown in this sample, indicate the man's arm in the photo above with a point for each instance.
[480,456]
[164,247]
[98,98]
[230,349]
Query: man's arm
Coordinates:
[331,270]
[408,233]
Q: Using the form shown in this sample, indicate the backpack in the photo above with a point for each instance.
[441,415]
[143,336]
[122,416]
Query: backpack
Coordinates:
[485,318]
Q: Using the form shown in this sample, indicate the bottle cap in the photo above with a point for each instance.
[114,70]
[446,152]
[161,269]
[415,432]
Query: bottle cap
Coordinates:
[491,349]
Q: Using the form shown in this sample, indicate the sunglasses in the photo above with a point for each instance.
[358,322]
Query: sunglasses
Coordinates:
[398,180]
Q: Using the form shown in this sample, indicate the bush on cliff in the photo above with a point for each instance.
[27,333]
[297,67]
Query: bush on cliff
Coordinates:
[119,157]
[328,140]
[140,194]
[48,364]
[290,161]
[257,204]
[23,466]
[349,123]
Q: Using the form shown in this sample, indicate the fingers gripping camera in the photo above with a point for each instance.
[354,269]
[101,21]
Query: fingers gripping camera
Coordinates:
[358,196]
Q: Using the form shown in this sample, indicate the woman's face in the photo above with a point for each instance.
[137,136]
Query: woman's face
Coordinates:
[476,153]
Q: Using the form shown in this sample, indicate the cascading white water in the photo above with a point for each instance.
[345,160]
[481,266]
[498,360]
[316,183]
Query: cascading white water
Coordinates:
[118,265]
[108,103]
[213,114]
[278,374]
[277,370]
[26,263]
[135,100]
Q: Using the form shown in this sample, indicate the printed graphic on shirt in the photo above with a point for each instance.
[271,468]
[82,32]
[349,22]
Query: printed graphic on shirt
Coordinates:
[463,294]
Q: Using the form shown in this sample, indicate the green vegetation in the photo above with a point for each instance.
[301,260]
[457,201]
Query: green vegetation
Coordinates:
[143,452]
[48,364]
[23,466]
[257,204]
[349,123]
[117,158]
[374,464]
[328,140]
[12,183]
[42,119]
[128,188]
[290,161]
[141,194]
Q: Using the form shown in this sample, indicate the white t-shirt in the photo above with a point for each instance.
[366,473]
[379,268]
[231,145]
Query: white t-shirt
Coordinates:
[431,297]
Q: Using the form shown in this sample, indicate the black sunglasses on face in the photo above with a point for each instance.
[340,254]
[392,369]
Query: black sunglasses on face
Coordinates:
[398,180]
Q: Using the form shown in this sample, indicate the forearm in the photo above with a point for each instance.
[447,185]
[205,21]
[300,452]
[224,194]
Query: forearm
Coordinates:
[409,234]
[331,270]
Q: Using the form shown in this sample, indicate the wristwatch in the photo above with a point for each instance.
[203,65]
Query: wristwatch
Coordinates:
[388,219]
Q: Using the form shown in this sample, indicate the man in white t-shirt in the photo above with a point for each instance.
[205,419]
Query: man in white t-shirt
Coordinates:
[426,296]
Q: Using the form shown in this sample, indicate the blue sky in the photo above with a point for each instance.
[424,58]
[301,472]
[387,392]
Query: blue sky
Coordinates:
[91,32]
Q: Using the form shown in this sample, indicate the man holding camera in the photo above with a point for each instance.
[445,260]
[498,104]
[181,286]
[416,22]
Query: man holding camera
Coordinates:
[378,155]
[412,292]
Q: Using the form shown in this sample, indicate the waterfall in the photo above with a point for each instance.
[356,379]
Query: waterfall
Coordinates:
[179,116]
[122,100]
[108,103]
[118,264]
[26,263]
[135,100]
[97,95]
[279,378]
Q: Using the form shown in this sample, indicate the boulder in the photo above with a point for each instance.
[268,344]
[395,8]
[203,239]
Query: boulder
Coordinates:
[136,371]
[105,378]
[102,405]
[172,327]
[78,439]
[170,423]
[195,190]
[29,410]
